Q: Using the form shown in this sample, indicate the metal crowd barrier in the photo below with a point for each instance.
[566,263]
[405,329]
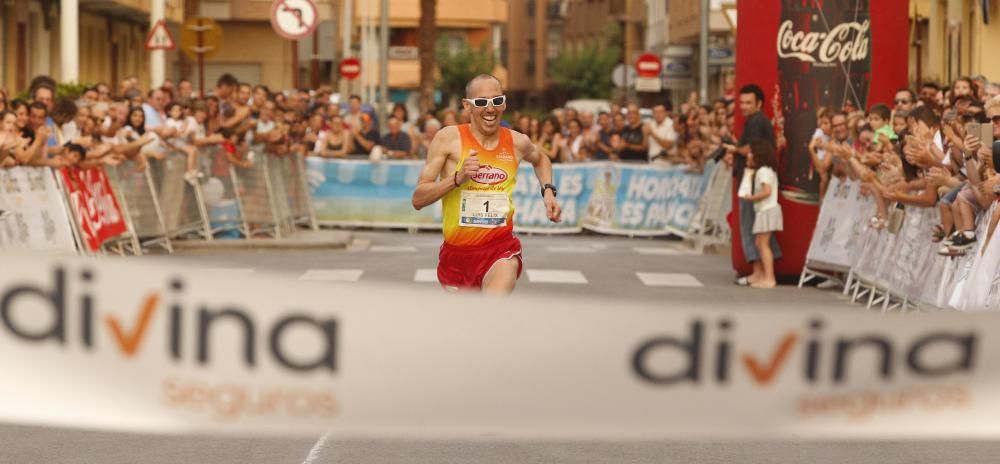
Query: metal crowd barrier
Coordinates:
[158,206]
[273,195]
[140,203]
[709,225]
[901,269]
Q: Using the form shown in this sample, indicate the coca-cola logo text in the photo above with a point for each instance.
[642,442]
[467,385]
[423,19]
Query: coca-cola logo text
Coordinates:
[845,42]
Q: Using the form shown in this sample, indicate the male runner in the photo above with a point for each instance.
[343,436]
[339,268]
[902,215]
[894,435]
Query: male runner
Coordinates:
[474,167]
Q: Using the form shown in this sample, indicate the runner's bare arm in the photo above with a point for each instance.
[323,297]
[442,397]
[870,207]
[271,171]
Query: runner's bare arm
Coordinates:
[429,188]
[543,170]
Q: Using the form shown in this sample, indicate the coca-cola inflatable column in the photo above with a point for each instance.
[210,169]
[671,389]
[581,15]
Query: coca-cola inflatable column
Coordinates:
[808,54]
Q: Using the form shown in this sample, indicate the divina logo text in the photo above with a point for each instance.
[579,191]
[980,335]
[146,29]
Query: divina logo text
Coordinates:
[826,358]
[93,331]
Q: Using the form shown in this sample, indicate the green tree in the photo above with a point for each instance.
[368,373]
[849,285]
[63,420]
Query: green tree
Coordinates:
[585,72]
[459,63]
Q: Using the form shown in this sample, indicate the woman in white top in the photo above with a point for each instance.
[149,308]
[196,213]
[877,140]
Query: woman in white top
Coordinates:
[135,142]
[570,150]
[768,218]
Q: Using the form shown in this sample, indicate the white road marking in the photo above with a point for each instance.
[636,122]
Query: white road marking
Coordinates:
[317,450]
[426,276]
[332,275]
[573,249]
[662,251]
[551,276]
[392,249]
[659,279]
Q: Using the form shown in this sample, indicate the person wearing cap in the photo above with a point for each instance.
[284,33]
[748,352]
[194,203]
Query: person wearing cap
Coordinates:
[366,136]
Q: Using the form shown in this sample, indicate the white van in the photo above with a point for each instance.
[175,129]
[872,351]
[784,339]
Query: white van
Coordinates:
[594,106]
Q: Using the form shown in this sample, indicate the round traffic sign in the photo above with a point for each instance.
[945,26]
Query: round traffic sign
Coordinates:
[648,65]
[350,68]
[294,19]
[208,44]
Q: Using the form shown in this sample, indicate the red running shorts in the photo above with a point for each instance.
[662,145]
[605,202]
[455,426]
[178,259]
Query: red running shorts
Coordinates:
[465,267]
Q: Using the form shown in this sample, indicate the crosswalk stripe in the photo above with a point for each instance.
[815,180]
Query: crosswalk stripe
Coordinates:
[426,276]
[332,275]
[575,249]
[392,249]
[552,276]
[662,251]
[661,279]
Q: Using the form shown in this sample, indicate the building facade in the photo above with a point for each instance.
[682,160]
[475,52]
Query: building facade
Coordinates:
[530,42]
[111,36]
[681,54]
[952,38]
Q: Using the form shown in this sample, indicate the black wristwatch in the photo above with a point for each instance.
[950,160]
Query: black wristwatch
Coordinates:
[549,187]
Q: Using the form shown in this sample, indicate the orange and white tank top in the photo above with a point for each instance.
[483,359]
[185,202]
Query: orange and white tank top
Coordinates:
[481,210]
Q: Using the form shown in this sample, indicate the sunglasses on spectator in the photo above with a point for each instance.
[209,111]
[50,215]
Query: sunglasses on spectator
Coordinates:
[484,102]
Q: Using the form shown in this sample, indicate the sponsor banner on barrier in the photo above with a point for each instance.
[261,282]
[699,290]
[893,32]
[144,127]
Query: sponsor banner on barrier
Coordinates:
[603,197]
[116,345]
[644,200]
[37,216]
[837,226]
[94,204]
[361,193]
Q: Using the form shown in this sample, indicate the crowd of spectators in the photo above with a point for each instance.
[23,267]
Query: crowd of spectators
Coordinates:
[937,147]
[689,137]
[107,126]
[101,127]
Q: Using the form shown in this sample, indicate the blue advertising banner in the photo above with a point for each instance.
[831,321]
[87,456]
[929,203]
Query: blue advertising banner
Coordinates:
[610,198]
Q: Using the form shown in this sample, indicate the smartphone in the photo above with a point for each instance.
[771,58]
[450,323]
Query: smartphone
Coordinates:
[983,131]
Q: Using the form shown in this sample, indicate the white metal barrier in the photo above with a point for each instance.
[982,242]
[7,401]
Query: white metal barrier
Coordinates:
[128,211]
[898,269]
[709,225]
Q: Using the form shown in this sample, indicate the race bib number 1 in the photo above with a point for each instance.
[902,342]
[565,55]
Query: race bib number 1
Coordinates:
[484,209]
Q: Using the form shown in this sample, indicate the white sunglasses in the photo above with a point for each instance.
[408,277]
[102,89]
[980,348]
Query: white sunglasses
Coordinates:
[483,102]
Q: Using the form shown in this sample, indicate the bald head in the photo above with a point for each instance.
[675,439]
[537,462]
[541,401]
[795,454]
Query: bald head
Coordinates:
[480,81]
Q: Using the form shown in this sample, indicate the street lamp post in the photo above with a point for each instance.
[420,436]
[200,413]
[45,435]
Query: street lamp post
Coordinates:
[383,51]
[703,53]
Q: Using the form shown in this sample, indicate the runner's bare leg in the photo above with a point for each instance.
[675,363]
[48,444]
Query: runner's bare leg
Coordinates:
[500,280]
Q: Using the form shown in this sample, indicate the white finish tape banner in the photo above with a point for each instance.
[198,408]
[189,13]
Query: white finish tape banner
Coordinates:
[122,345]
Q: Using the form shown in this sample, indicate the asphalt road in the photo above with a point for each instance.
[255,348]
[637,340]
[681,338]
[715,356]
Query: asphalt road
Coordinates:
[619,268]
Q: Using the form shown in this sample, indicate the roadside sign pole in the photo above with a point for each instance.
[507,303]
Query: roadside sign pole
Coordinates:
[201,38]
[201,59]
[295,63]
[294,20]
[315,60]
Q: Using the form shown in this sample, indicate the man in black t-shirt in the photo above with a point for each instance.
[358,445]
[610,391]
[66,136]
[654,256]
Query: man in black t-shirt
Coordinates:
[634,143]
[756,126]
[603,145]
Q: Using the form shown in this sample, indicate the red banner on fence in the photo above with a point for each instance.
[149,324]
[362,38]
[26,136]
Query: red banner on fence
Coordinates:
[94,205]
